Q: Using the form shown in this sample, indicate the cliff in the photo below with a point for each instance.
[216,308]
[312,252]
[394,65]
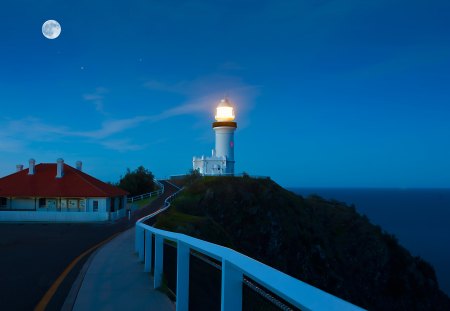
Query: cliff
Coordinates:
[324,243]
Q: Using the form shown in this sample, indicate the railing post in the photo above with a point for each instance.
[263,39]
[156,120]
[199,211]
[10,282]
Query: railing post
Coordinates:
[158,271]
[183,253]
[148,251]
[231,287]
[136,238]
[141,244]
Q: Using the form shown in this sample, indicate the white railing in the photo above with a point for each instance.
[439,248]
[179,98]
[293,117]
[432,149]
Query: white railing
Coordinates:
[148,195]
[234,266]
[160,185]
[144,196]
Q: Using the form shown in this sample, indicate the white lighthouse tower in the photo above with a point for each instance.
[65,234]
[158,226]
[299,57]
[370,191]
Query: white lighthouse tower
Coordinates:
[222,160]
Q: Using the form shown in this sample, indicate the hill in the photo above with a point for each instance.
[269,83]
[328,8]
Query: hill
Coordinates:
[324,243]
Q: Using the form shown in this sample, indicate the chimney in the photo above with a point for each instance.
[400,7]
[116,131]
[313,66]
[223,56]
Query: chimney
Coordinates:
[79,165]
[19,167]
[31,170]
[59,168]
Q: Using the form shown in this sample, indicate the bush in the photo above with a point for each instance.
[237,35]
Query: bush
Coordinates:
[137,182]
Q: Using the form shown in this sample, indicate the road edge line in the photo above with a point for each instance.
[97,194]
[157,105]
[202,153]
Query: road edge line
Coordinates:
[43,303]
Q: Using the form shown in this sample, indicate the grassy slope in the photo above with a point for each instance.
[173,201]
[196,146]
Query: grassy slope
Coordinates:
[145,202]
[325,243]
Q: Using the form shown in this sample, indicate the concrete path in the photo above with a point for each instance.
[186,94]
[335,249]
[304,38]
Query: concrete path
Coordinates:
[115,280]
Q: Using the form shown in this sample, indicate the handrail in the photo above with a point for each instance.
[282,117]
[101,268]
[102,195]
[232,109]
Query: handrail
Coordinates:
[148,195]
[234,266]
[160,185]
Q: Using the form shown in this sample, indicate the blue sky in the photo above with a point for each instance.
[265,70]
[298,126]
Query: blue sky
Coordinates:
[327,93]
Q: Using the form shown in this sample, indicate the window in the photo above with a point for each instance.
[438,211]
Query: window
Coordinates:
[73,204]
[3,202]
[51,203]
[95,206]
[42,202]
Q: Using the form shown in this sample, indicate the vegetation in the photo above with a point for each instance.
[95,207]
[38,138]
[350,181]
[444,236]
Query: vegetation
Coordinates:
[137,182]
[324,243]
[145,202]
[192,177]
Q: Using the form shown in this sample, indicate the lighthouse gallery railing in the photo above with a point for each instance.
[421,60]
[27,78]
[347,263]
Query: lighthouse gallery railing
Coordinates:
[234,266]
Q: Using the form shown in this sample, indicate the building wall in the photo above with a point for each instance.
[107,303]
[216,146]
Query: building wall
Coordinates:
[225,142]
[58,204]
[62,209]
[52,216]
[102,204]
[212,165]
[117,203]
[22,204]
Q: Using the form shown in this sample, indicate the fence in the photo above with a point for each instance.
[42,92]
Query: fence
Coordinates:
[235,268]
[145,196]
[148,195]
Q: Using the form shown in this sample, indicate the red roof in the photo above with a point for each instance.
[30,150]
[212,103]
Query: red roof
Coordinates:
[44,183]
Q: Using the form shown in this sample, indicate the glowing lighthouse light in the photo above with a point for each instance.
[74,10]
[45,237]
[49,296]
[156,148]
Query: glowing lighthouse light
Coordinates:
[224,111]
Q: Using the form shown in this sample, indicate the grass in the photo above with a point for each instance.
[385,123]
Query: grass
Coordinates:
[145,202]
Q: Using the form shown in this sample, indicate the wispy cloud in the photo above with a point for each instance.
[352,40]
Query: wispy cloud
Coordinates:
[10,145]
[201,95]
[212,84]
[97,98]
[110,128]
[203,92]
[122,145]
[31,128]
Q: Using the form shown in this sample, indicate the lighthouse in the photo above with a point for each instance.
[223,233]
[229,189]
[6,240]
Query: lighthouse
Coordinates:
[221,161]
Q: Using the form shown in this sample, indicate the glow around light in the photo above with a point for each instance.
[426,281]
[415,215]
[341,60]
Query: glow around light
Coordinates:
[224,114]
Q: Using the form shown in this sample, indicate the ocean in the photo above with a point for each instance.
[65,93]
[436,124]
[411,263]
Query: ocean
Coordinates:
[419,218]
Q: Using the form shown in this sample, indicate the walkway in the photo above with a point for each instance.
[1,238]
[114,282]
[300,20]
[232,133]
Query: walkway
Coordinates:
[115,280]
[114,277]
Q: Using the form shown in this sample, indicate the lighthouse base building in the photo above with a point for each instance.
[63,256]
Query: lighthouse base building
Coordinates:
[221,161]
[213,165]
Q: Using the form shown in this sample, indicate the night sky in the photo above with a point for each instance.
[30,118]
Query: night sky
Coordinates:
[327,93]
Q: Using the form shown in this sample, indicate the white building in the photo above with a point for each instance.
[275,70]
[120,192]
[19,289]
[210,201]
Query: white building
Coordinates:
[221,161]
[58,192]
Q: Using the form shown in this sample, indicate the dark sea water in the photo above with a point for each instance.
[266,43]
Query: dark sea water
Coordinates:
[419,218]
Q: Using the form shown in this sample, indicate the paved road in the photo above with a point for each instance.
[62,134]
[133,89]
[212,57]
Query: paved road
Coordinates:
[33,255]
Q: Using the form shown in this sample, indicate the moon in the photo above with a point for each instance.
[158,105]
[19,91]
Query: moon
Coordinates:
[51,29]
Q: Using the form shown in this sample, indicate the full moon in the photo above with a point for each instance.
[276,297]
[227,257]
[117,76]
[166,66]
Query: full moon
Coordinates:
[51,29]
